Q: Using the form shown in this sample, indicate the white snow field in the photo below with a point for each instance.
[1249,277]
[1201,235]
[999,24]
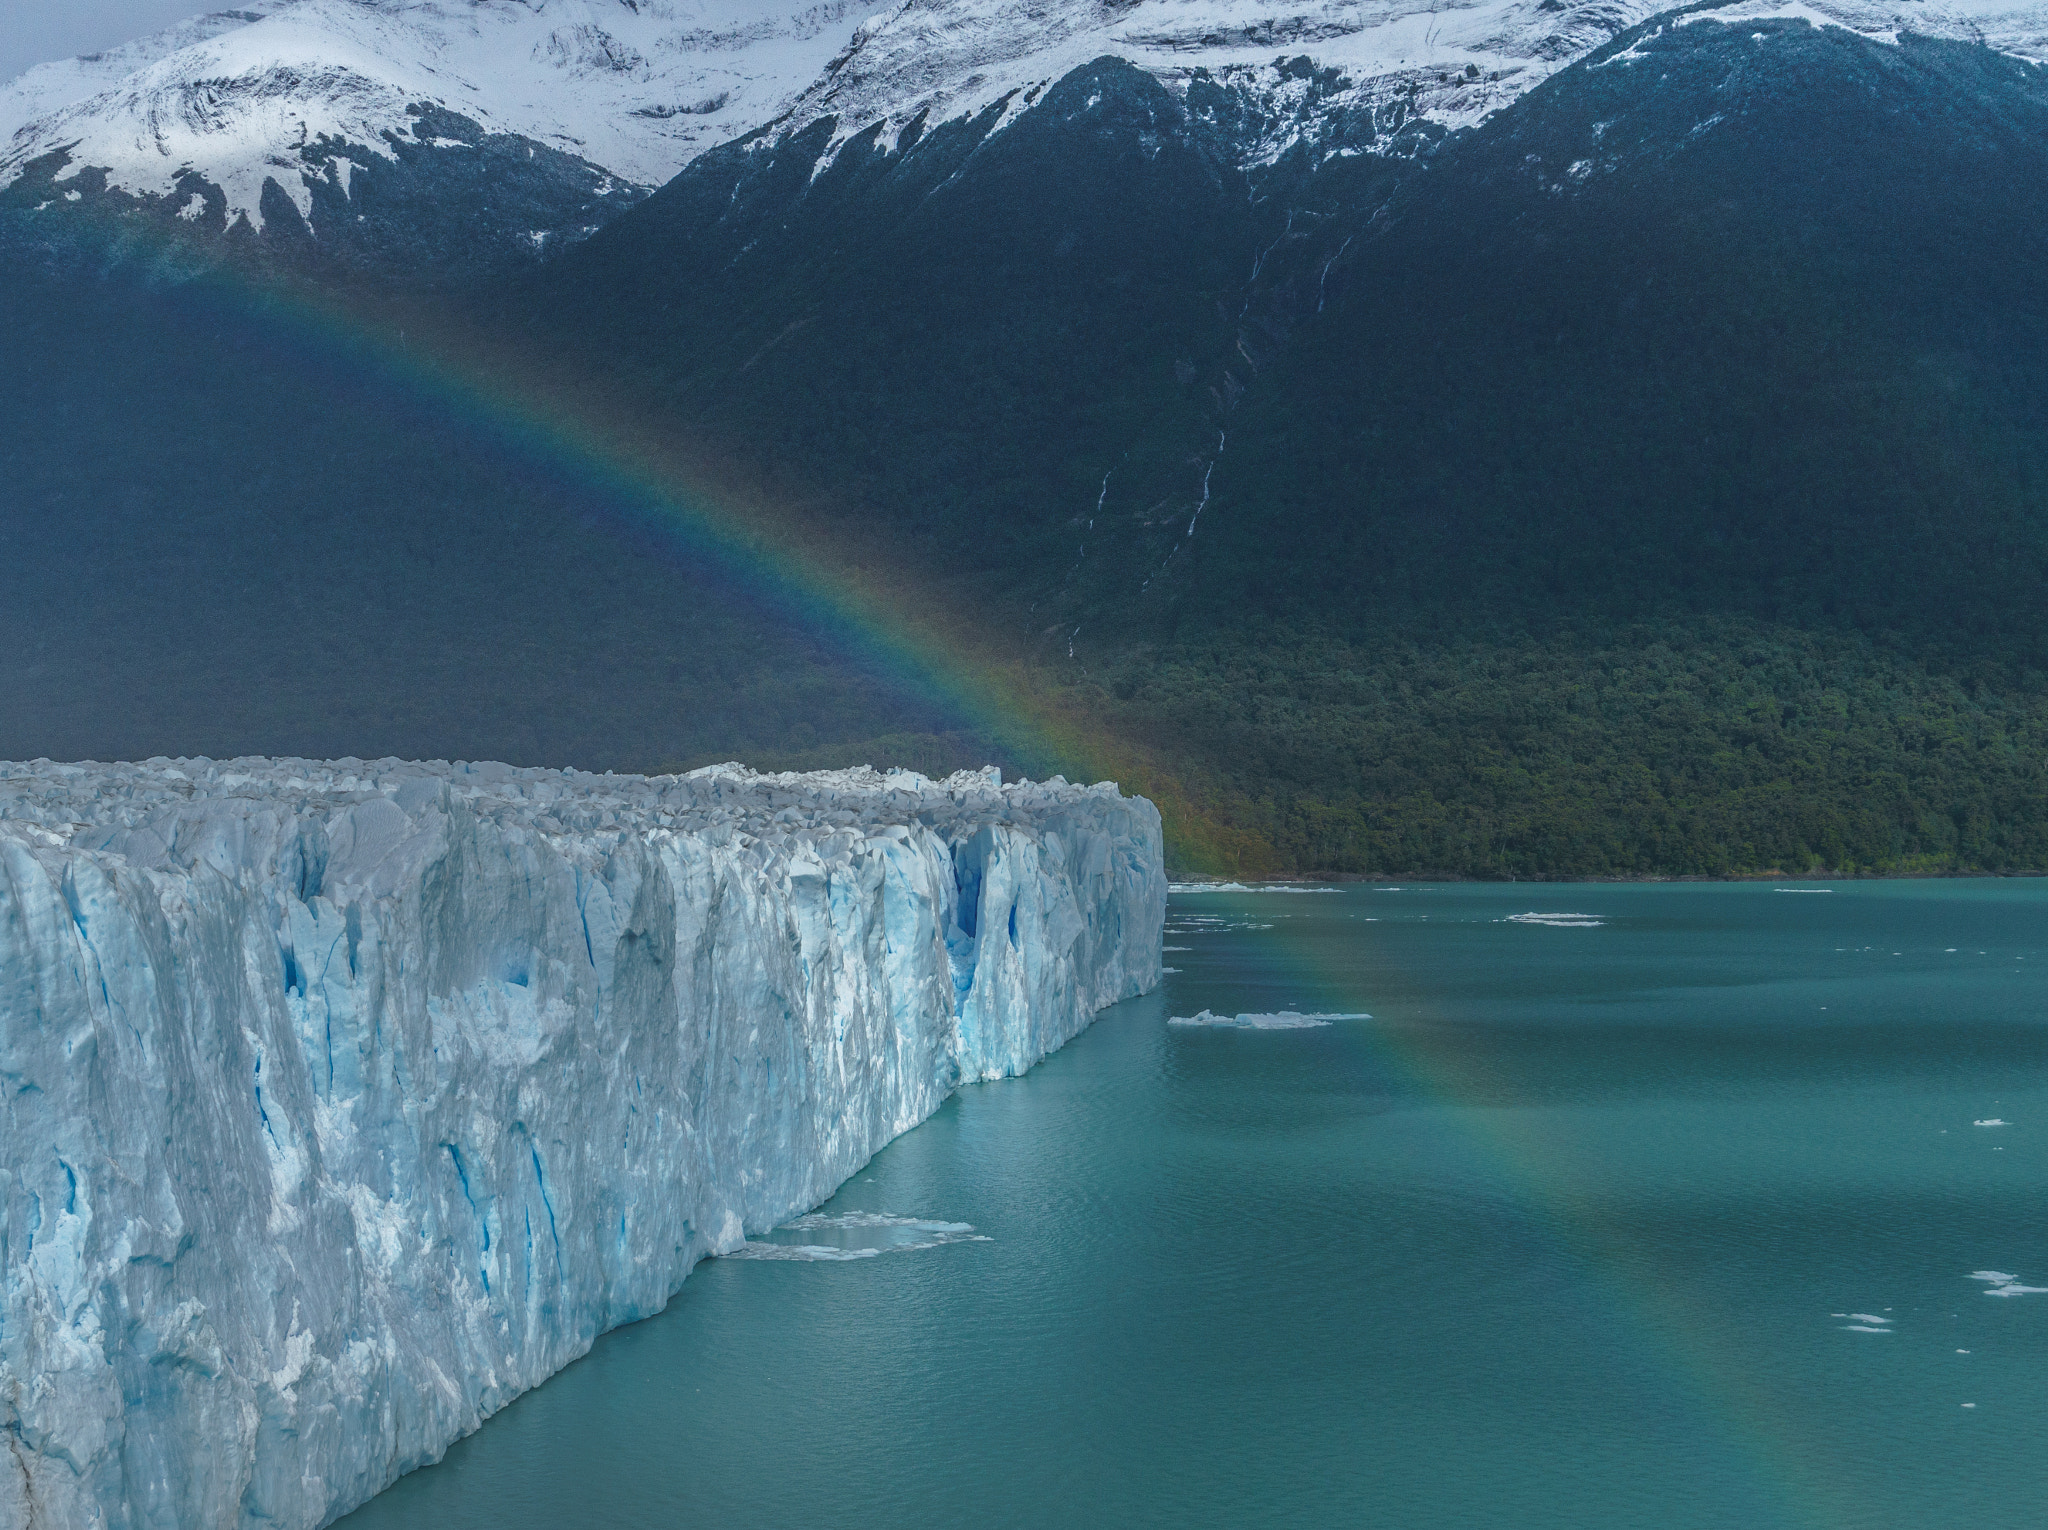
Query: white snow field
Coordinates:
[343,1102]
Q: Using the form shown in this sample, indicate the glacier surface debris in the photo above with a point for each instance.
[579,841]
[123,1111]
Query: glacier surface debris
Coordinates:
[346,1101]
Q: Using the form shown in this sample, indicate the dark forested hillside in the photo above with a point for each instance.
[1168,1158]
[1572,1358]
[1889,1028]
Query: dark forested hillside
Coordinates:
[1673,468]
[1763,336]
[957,335]
[1651,480]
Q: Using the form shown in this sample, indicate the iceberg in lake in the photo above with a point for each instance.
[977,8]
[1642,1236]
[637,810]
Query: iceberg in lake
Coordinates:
[344,1102]
[1283,1020]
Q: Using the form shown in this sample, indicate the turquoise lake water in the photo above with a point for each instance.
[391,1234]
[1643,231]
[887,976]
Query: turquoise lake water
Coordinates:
[1677,1218]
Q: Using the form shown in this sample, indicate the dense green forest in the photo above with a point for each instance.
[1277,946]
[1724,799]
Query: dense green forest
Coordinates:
[1702,748]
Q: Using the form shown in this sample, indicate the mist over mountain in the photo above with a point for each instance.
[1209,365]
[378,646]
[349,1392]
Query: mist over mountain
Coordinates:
[1596,444]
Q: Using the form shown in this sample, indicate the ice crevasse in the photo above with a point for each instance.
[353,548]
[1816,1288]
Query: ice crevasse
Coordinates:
[346,1101]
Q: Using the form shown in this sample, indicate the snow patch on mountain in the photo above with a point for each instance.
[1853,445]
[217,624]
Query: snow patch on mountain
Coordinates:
[345,1102]
[50,87]
[1451,65]
[2020,33]
[636,87]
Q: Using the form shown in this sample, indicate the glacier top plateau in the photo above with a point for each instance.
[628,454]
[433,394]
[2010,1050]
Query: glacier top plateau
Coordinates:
[341,1102]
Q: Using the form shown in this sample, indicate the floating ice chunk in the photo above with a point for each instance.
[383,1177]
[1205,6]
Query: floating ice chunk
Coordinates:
[1803,889]
[1998,1283]
[819,1220]
[1242,887]
[1560,921]
[1282,1020]
[1862,1328]
[859,1235]
[1991,1121]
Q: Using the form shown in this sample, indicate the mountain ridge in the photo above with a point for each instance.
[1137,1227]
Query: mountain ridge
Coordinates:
[304,95]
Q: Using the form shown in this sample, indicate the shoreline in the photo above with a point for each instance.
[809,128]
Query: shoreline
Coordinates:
[1348,878]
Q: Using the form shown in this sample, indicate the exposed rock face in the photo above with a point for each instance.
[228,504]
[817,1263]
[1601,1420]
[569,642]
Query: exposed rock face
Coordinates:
[344,1102]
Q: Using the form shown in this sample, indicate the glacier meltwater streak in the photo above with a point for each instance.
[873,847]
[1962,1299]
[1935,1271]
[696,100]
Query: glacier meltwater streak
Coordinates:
[344,1102]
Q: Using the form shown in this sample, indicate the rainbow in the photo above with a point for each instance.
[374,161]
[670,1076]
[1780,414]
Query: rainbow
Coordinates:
[693,500]
[1719,1376]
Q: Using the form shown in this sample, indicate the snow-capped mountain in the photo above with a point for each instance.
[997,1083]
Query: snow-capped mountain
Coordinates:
[307,93]
[634,87]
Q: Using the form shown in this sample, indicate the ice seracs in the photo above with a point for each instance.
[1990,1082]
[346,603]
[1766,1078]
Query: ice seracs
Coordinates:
[344,1102]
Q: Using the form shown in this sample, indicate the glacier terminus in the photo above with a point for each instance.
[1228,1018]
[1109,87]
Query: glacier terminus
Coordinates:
[346,1101]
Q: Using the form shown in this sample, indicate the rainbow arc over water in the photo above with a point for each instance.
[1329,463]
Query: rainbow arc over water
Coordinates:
[1650,1303]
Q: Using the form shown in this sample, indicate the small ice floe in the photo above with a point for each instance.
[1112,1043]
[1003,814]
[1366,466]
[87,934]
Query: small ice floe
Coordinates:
[1998,1283]
[1169,969]
[1969,1405]
[1242,887]
[1864,1322]
[857,1235]
[1282,1020]
[1803,889]
[1560,921]
[1991,1121]
[1176,948]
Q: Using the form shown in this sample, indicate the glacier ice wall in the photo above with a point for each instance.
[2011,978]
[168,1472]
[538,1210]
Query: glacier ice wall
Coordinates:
[344,1102]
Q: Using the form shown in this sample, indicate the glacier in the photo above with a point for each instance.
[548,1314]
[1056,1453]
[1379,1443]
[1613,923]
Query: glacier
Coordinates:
[346,1101]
